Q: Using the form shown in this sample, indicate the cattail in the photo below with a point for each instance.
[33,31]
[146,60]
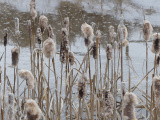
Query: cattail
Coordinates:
[130,100]
[65,38]
[39,35]
[10,113]
[50,31]
[82,86]
[66,23]
[5,36]
[157,61]
[111,32]
[88,34]
[125,32]
[108,104]
[98,36]
[49,48]
[28,76]
[29,26]
[33,9]
[62,53]
[94,50]
[147,29]
[71,58]
[32,109]
[109,51]
[15,56]
[43,22]
[156,89]
[156,43]
[17,32]
[32,4]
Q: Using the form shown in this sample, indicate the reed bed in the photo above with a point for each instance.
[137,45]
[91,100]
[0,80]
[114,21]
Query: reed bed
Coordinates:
[77,94]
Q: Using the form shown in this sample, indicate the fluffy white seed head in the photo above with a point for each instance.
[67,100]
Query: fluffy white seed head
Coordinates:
[32,109]
[43,22]
[147,29]
[49,48]
[125,32]
[15,56]
[28,76]
[130,100]
[156,43]
[87,33]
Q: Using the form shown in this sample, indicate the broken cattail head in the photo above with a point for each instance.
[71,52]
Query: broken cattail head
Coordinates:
[43,22]
[17,32]
[29,26]
[49,48]
[39,35]
[130,100]
[98,36]
[71,58]
[5,36]
[66,23]
[82,84]
[32,109]
[62,53]
[94,50]
[28,76]
[147,30]
[156,43]
[15,56]
[87,33]
[50,32]
[109,51]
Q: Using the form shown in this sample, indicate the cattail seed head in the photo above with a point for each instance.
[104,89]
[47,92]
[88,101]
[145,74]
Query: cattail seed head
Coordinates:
[98,36]
[94,50]
[71,58]
[82,86]
[5,36]
[130,100]
[157,61]
[43,22]
[50,31]
[65,38]
[15,56]
[49,48]
[10,112]
[111,32]
[87,33]
[125,32]
[108,104]
[28,76]
[33,13]
[156,43]
[109,51]
[17,32]
[147,29]
[32,4]
[39,35]
[62,53]
[29,26]
[32,109]
[66,23]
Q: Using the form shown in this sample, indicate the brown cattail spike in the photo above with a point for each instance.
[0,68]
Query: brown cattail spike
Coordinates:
[15,56]
[43,22]
[39,35]
[108,104]
[50,32]
[62,53]
[87,33]
[156,43]
[32,109]
[130,100]
[49,48]
[94,50]
[109,51]
[157,60]
[82,86]
[147,29]
[5,36]
[71,58]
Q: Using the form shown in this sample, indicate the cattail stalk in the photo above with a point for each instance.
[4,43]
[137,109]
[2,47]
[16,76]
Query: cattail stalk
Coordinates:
[0,93]
[10,113]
